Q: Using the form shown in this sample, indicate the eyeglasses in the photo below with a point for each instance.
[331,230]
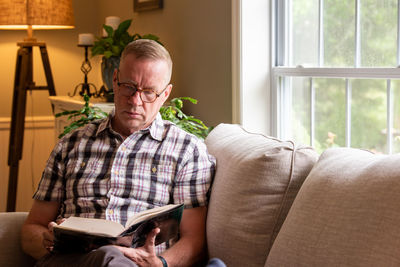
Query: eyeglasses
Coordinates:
[129,89]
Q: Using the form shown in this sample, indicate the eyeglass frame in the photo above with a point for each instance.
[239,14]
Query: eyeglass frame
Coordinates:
[137,89]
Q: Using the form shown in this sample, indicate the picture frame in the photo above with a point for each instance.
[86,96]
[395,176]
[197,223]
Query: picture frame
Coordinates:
[145,5]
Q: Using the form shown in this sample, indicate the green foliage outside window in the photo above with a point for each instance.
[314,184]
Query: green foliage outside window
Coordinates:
[378,23]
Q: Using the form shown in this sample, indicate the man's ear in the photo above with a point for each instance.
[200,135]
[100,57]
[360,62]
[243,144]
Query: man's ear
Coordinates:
[167,91]
[115,76]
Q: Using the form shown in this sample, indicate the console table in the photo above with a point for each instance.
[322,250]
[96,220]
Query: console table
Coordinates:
[63,103]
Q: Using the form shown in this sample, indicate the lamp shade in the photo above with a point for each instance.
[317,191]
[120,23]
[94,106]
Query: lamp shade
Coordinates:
[39,14]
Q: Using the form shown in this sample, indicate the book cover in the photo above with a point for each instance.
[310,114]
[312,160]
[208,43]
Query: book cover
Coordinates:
[77,234]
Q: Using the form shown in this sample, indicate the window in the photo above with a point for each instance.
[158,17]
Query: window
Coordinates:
[335,76]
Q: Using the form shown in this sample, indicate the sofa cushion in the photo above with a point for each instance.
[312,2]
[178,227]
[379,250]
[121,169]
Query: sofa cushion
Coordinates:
[10,248]
[347,213]
[256,180]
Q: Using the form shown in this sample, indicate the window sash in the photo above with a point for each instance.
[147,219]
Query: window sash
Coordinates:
[281,93]
[282,30]
[284,95]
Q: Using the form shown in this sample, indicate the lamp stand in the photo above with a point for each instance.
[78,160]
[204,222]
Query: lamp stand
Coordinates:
[22,84]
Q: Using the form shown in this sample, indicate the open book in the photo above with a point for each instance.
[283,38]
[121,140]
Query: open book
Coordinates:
[78,234]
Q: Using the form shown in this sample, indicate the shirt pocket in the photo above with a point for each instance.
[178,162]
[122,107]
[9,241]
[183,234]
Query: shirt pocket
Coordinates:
[152,181]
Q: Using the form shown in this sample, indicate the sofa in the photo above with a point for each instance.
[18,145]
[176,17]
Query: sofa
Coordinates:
[277,203]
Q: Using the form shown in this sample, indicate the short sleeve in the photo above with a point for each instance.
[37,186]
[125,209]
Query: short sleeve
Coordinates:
[51,186]
[194,179]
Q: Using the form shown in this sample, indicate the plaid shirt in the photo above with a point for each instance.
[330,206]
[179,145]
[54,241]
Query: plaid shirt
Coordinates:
[94,173]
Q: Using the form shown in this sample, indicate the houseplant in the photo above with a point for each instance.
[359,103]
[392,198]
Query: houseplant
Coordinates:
[111,48]
[81,116]
[171,111]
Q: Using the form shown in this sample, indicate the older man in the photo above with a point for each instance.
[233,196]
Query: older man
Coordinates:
[129,162]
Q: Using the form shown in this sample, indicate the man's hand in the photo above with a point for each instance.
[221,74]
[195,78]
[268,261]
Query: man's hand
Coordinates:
[48,236]
[146,255]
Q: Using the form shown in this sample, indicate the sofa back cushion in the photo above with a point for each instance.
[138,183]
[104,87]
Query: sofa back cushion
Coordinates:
[256,180]
[11,253]
[347,213]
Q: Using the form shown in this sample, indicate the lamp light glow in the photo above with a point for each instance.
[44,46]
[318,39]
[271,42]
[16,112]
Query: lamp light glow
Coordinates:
[29,15]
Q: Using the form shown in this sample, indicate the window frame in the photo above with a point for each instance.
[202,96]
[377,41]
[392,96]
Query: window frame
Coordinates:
[282,67]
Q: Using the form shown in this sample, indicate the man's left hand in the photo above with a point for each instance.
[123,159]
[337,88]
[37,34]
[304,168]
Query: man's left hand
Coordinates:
[144,256]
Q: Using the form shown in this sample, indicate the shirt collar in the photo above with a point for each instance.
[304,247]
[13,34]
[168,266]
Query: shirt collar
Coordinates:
[156,128]
[106,123]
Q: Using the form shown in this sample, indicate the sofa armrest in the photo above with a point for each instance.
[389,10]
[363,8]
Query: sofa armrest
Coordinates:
[11,253]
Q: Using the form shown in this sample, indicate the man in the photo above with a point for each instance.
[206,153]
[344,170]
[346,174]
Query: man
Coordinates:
[129,162]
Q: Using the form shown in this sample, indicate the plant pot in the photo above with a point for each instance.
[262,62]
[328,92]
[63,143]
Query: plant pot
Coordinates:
[108,65]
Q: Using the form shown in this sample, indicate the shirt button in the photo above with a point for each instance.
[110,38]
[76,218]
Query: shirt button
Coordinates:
[123,148]
[116,172]
[110,212]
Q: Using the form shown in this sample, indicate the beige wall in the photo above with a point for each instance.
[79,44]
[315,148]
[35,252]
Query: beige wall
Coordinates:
[197,33]
[65,60]
[198,36]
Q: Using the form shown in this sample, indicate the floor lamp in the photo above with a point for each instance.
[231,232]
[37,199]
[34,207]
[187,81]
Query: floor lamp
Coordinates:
[29,15]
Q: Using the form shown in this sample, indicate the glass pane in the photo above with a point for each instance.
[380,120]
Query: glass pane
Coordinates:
[300,112]
[339,28]
[330,113]
[368,114]
[378,33]
[305,32]
[396,115]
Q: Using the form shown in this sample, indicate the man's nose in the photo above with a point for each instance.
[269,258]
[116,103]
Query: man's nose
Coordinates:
[135,98]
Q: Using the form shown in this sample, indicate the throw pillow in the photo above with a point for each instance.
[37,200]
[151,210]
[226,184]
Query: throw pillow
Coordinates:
[347,213]
[257,178]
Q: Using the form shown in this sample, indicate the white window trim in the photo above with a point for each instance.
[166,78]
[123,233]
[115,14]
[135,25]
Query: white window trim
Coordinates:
[251,65]
[370,73]
[346,73]
[283,97]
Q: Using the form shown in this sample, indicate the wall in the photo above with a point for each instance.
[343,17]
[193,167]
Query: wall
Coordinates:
[38,142]
[65,60]
[197,33]
[198,36]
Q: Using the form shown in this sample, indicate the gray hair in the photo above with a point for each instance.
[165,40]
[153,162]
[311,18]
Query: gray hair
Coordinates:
[148,49]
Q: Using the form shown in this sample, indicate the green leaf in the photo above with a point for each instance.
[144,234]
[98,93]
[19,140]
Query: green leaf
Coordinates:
[117,40]
[98,50]
[194,101]
[136,36]
[108,41]
[108,54]
[116,50]
[173,112]
[123,26]
[86,114]
[151,37]
[109,30]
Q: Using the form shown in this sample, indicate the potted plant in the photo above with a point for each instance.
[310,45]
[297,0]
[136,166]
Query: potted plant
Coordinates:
[111,48]
[171,111]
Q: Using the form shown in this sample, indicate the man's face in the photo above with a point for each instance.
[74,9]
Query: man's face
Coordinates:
[131,113]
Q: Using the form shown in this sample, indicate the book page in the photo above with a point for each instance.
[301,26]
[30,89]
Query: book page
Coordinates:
[147,214]
[92,226]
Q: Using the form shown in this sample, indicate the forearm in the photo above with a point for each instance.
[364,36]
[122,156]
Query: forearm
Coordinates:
[41,214]
[186,252]
[32,240]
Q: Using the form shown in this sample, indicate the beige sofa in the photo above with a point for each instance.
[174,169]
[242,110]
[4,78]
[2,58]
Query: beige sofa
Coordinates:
[274,204]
